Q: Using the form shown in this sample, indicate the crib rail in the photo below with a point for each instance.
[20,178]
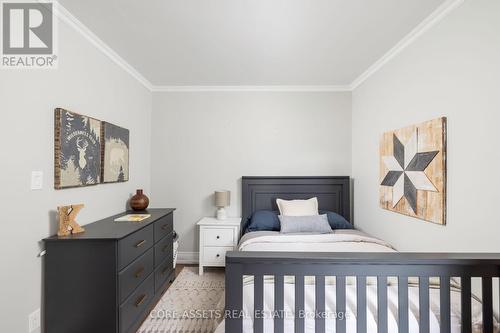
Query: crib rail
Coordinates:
[360,265]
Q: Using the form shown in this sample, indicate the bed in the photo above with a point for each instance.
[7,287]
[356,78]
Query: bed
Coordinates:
[347,280]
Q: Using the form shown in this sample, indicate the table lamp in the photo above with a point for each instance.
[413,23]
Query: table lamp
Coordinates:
[222,199]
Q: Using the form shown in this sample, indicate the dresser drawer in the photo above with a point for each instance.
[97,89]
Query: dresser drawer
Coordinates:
[135,273]
[136,303]
[218,236]
[134,245]
[164,226]
[215,255]
[164,249]
[163,272]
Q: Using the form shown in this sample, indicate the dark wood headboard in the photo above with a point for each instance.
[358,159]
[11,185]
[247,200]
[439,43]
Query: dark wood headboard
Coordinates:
[260,193]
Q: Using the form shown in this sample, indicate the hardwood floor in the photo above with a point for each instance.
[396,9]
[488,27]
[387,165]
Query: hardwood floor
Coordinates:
[179,267]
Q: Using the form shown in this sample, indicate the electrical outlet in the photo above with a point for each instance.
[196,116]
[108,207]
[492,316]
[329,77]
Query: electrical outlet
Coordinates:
[36,180]
[34,321]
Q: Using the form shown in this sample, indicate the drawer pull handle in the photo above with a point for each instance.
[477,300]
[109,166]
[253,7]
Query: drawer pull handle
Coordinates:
[164,227]
[165,248]
[139,272]
[218,237]
[141,300]
[141,243]
[218,255]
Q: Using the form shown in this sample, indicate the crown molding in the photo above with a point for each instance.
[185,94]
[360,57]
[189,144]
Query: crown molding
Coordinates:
[241,88]
[436,16]
[68,18]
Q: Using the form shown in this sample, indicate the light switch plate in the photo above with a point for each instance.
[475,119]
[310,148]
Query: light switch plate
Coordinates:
[36,180]
[34,321]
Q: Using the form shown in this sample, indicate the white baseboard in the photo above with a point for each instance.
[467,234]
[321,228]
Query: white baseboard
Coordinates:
[187,257]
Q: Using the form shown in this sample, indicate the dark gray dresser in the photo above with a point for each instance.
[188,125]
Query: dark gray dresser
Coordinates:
[108,278]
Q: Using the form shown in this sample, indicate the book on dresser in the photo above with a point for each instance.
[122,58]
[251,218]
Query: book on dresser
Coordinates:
[108,278]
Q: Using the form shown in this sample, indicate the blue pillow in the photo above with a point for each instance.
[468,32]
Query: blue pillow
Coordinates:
[264,220]
[336,221]
[295,224]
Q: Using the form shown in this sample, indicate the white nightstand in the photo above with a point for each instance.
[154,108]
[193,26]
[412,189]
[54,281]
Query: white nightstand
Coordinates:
[216,238]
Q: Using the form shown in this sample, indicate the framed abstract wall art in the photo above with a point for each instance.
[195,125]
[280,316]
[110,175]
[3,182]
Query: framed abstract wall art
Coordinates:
[115,153]
[413,171]
[77,150]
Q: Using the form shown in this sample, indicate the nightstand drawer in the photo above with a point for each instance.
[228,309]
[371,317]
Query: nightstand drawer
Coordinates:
[218,236]
[216,255]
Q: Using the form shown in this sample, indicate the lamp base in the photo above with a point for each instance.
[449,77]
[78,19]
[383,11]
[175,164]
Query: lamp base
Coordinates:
[221,213]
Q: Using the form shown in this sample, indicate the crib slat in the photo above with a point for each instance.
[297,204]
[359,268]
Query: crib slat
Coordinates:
[424,304]
[279,303]
[234,287]
[319,322]
[466,304]
[258,296]
[487,305]
[403,304]
[299,303]
[444,304]
[361,304]
[340,324]
[382,303]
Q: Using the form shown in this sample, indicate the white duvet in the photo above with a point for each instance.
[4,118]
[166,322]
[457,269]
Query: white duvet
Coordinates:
[337,241]
[343,241]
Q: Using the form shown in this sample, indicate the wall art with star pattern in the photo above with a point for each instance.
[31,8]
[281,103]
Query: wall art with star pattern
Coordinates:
[413,171]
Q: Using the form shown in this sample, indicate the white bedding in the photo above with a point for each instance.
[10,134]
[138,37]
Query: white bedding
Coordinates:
[337,241]
[343,241]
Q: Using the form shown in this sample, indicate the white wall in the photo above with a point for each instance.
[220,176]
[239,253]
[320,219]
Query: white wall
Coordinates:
[452,70]
[208,140]
[86,82]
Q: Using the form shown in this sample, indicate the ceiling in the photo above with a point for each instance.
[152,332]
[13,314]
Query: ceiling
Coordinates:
[251,42]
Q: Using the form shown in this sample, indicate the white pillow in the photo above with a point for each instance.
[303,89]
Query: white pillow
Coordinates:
[298,207]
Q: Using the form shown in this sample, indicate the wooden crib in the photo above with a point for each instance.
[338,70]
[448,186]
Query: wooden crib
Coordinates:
[333,194]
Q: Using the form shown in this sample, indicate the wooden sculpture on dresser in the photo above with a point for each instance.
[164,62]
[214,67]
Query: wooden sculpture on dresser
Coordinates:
[67,223]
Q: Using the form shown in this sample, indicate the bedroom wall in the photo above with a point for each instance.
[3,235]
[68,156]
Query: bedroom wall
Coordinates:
[452,70]
[203,141]
[87,82]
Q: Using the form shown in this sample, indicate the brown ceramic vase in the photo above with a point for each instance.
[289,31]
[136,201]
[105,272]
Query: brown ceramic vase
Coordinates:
[139,201]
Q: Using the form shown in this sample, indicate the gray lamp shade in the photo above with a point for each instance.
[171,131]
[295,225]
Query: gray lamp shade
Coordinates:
[222,198]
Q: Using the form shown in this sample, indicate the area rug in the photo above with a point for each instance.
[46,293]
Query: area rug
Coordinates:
[192,304]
